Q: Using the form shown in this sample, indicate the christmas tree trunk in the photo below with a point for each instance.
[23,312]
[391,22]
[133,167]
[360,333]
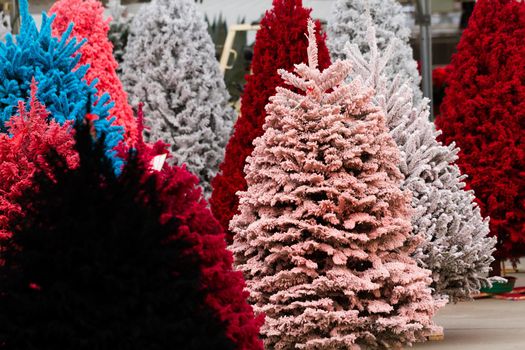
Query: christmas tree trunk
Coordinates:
[456,247]
[322,234]
[280,43]
[170,66]
[483,113]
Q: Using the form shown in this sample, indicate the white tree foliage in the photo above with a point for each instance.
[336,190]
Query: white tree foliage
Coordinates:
[350,24]
[170,66]
[456,249]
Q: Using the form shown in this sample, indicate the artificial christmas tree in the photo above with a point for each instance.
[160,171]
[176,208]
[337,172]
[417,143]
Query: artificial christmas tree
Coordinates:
[129,262]
[280,43]
[89,23]
[483,112]
[456,247]
[52,62]
[322,231]
[170,66]
[349,23]
[31,137]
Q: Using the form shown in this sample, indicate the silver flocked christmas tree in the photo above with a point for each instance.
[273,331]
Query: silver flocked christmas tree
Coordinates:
[349,24]
[170,66]
[456,248]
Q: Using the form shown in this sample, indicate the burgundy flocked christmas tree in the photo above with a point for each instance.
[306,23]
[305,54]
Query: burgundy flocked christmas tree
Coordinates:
[484,113]
[280,43]
[95,261]
[322,231]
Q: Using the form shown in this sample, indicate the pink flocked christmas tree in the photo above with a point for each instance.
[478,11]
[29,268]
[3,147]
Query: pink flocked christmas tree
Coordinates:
[322,231]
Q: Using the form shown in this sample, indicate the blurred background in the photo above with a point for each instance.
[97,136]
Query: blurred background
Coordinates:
[448,18]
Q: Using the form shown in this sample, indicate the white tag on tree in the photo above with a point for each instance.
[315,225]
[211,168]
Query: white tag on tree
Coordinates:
[158,162]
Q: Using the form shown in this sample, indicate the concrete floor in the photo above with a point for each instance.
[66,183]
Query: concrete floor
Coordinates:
[486,324]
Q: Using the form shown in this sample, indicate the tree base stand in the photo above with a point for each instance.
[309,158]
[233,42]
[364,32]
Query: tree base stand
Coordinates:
[500,288]
[437,335]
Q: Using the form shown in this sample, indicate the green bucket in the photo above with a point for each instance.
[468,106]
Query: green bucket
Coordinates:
[501,287]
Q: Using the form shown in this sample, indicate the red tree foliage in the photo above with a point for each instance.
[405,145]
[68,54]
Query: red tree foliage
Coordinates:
[30,138]
[89,23]
[280,43]
[138,261]
[484,113]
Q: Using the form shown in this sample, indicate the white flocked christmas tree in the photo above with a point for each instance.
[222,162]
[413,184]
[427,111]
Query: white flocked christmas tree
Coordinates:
[456,249]
[170,66]
[349,24]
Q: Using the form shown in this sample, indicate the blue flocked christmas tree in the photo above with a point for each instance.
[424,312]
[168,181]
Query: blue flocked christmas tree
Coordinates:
[62,88]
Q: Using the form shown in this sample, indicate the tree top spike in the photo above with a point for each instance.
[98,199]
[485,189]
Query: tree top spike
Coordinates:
[313,59]
[27,24]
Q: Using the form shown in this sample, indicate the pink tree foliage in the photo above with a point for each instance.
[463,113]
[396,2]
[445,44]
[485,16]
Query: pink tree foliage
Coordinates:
[31,137]
[89,23]
[322,231]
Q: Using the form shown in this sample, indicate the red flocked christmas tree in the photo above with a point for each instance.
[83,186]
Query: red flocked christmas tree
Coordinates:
[89,23]
[280,43]
[129,262]
[22,152]
[484,112]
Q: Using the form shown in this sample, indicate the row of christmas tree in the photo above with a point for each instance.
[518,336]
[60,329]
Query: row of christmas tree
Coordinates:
[97,248]
[352,225]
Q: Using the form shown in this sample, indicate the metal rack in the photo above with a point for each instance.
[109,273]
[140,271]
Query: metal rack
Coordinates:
[423,18]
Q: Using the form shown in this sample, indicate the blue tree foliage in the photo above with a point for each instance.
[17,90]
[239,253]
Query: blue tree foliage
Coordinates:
[61,88]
